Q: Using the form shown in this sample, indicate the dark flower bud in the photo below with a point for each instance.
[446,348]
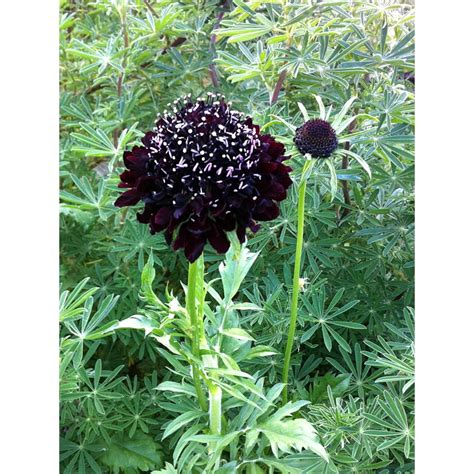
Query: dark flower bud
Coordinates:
[205,170]
[317,138]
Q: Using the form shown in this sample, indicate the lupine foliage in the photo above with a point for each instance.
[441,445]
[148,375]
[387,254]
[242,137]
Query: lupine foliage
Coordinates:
[127,400]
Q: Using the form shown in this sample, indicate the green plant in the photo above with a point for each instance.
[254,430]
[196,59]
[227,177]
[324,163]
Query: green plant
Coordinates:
[128,400]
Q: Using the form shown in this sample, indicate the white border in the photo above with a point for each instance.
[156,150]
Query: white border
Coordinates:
[29,246]
[444,236]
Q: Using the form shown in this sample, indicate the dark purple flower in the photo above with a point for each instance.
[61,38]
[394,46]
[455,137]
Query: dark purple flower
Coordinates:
[317,138]
[204,170]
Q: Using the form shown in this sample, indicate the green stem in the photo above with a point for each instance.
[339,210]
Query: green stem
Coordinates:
[215,413]
[195,274]
[296,278]
[215,409]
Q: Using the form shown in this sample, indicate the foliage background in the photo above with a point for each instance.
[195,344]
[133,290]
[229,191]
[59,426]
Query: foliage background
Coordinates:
[121,62]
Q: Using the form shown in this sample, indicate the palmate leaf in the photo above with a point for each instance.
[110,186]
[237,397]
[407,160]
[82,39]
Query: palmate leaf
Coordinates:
[79,456]
[71,303]
[324,319]
[304,462]
[82,324]
[129,455]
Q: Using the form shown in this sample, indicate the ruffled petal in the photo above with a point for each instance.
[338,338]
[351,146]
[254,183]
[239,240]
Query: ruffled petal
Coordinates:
[218,239]
[128,198]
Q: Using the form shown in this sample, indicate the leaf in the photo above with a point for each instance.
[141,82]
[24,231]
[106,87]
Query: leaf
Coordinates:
[137,321]
[340,340]
[181,421]
[261,351]
[138,453]
[360,160]
[246,307]
[290,126]
[333,177]
[70,304]
[168,469]
[337,55]
[348,324]
[322,109]
[303,111]
[327,338]
[303,13]
[96,143]
[244,7]
[243,32]
[177,388]
[292,434]
[338,384]
[288,409]
[340,116]
[238,261]
[238,333]
[147,279]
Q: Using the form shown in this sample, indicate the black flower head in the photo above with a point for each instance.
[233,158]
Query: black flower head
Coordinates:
[317,138]
[204,169]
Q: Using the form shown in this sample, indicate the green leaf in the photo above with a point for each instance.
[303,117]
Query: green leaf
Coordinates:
[70,304]
[291,435]
[137,321]
[327,338]
[340,116]
[177,388]
[288,409]
[168,469]
[244,32]
[348,324]
[303,111]
[238,261]
[322,108]
[360,160]
[246,307]
[238,333]
[343,344]
[181,421]
[138,453]
[303,13]
[333,177]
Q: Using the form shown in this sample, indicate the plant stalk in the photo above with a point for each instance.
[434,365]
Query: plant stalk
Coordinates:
[215,409]
[195,274]
[296,280]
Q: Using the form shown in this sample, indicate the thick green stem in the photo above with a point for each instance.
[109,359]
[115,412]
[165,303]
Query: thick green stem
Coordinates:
[215,410]
[195,276]
[215,413]
[296,279]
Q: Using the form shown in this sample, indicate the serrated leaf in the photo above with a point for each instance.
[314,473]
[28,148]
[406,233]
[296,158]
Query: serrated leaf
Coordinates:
[139,453]
[286,436]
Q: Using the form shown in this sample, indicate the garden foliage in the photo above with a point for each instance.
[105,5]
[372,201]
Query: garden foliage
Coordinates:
[128,403]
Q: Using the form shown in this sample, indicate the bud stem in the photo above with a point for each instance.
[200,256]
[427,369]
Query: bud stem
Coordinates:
[296,277]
